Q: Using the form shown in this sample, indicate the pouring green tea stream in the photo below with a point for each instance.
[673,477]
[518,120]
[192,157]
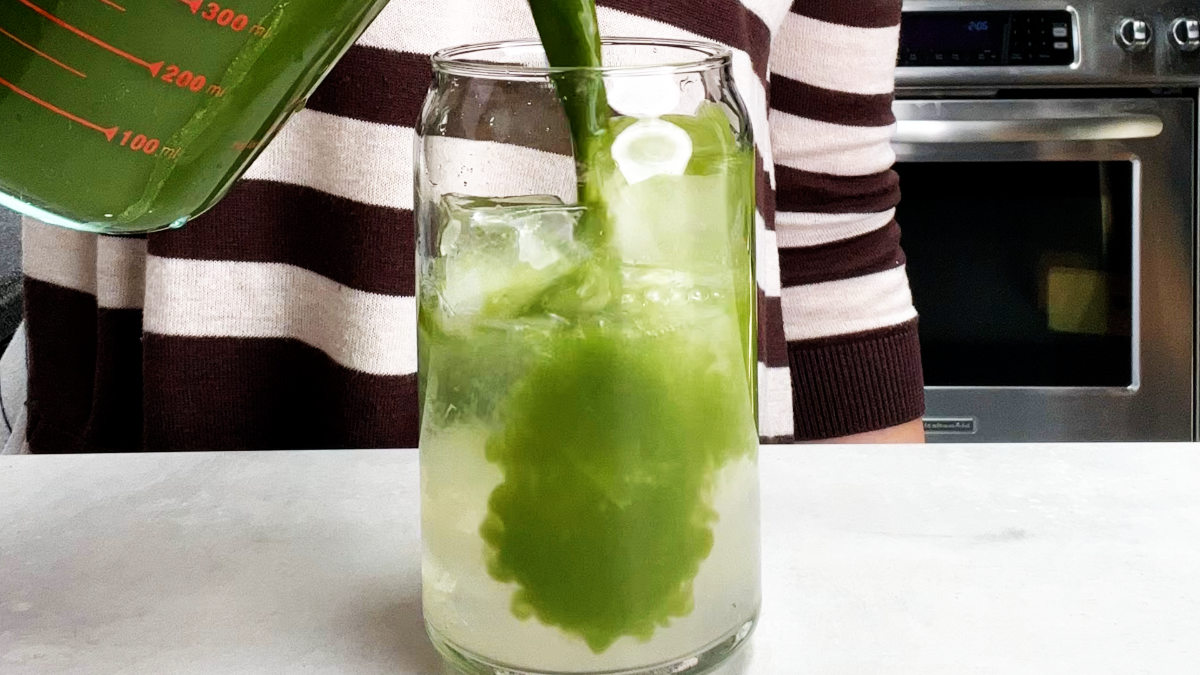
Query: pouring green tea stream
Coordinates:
[570,35]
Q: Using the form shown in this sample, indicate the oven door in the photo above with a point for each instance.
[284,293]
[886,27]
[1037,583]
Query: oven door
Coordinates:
[1050,249]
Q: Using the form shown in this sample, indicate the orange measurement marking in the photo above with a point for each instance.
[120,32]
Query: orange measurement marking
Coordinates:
[41,53]
[114,5]
[152,67]
[109,132]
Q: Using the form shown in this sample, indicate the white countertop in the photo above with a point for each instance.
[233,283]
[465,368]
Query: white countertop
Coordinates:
[924,560]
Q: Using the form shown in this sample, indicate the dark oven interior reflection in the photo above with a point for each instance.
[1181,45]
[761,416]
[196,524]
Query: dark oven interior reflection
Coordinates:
[1022,271]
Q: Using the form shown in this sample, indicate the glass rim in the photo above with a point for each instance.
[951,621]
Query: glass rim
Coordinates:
[457,61]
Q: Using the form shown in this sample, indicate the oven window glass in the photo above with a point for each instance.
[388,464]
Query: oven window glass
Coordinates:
[1021,271]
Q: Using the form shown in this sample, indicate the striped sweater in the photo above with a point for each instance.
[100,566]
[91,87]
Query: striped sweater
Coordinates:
[285,318]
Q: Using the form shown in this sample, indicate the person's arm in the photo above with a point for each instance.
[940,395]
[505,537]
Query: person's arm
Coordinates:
[848,314]
[908,432]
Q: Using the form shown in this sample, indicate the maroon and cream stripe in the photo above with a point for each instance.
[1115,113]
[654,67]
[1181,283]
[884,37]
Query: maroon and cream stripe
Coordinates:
[297,397]
[859,13]
[811,192]
[303,232]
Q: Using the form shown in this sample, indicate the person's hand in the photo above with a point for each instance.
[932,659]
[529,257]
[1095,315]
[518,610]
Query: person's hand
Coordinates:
[909,432]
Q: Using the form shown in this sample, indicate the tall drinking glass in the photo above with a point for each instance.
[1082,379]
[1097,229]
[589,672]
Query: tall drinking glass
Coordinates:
[588,440]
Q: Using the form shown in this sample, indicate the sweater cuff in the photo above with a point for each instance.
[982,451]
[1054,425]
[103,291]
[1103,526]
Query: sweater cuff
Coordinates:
[850,384]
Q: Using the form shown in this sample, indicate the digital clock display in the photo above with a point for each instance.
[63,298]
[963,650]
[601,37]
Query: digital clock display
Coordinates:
[955,32]
[1018,38]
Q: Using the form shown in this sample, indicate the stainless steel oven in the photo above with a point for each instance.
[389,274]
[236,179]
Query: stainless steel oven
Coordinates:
[1047,157]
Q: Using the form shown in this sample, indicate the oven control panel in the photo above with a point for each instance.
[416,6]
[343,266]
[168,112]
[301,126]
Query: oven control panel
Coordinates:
[987,38]
[987,45]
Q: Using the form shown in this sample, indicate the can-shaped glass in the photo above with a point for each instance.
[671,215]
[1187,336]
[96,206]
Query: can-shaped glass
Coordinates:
[586,331]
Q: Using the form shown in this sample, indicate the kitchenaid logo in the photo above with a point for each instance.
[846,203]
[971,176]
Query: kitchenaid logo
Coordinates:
[950,425]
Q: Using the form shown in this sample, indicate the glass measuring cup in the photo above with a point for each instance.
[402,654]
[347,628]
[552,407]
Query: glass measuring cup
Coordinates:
[126,116]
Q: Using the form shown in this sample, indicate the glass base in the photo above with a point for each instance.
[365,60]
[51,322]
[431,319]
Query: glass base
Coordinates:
[706,660]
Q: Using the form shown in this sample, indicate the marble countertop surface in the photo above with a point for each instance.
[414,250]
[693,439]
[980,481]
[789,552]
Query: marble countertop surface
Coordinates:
[934,559]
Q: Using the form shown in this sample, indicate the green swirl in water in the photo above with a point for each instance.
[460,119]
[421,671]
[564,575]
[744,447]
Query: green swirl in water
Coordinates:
[609,452]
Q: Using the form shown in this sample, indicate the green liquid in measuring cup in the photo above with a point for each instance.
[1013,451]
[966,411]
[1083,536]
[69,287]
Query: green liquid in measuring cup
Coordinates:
[122,116]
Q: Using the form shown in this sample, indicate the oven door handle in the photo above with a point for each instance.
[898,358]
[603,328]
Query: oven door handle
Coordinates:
[1115,128]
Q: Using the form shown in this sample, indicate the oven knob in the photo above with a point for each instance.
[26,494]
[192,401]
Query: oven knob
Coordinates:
[1185,34]
[1133,35]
